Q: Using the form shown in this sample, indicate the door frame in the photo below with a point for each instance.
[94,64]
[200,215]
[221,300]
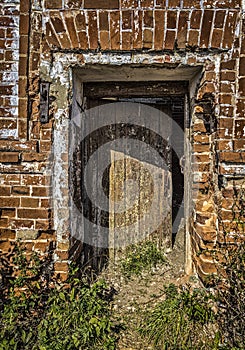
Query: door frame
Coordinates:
[126,72]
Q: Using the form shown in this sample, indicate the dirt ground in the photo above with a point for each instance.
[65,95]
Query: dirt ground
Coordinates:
[136,294]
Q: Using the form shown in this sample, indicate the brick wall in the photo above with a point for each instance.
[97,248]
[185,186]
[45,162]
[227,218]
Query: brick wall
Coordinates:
[35,39]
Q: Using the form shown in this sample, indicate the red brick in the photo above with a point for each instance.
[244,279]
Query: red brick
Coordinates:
[9,157]
[171,19]
[33,156]
[33,214]
[5,190]
[225,123]
[206,28]
[137,30]
[24,6]
[232,157]
[225,99]
[227,75]
[104,40]
[93,30]
[148,19]
[72,30]
[226,88]
[239,144]
[182,29]
[242,86]
[83,40]
[10,202]
[28,179]
[193,37]
[115,30]
[219,19]
[147,39]
[101,4]
[6,234]
[24,24]
[7,21]
[8,212]
[147,3]
[104,21]
[126,41]
[129,4]
[159,29]
[127,19]
[61,266]
[21,190]
[81,20]
[75,4]
[240,128]
[240,108]
[195,19]
[170,39]
[199,148]
[191,3]
[53,4]
[4,223]
[51,37]
[42,225]
[229,29]
[40,191]
[224,145]
[42,247]
[173,3]
[6,246]
[216,38]
[29,202]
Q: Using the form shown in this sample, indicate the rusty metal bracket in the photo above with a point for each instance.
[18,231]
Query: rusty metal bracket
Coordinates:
[44,102]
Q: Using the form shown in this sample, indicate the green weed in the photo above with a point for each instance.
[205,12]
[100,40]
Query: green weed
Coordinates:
[141,257]
[40,316]
[180,321]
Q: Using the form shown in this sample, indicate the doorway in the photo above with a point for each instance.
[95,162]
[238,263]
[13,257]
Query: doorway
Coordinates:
[142,175]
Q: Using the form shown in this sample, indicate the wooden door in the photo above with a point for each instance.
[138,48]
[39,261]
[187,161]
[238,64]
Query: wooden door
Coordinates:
[140,204]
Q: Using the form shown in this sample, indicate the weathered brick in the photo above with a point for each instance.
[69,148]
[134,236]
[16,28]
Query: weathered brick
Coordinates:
[61,266]
[93,30]
[147,39]
[159,29]
[242,86]
[33,214]
[115,30]
[229,29]
[148,19]
[170,39]
[9,157]
[9,202]
[104,20]
[29,202]
[53,4]
[137,29]
[33,156]
[5,190]
[171,19]
[72,30]
[27,234]
[101,4]
[7,234]
[206,28]
[40,191]
[232,157]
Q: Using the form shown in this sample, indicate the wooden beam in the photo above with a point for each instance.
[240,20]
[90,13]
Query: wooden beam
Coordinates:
[130,89]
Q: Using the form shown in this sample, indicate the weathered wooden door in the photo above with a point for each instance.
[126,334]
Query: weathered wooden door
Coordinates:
[136,178]
[140,203]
